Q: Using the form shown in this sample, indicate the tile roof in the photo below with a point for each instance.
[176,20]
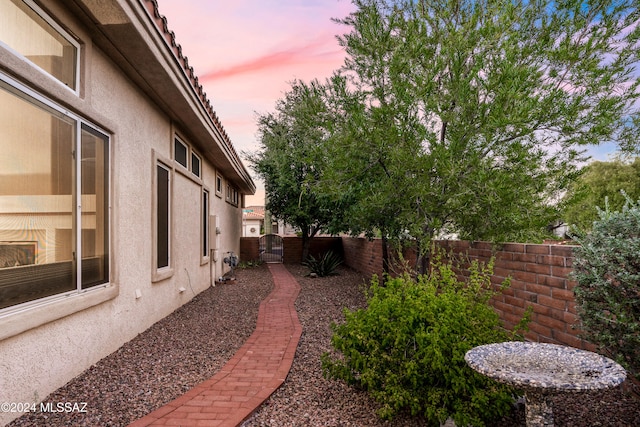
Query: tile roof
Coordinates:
[253,212]
[170,37]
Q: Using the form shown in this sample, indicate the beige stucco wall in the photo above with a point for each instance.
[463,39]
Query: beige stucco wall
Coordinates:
[39,360]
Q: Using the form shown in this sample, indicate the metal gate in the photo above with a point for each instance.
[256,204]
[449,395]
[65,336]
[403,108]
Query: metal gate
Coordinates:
[271,248]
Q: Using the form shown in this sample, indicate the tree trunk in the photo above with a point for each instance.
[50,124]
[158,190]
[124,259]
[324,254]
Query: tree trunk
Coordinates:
[306,243]
[385,256]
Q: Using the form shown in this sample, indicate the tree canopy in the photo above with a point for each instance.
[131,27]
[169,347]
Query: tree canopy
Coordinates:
[464,116]
[290,161]
[600,184]
[471,116]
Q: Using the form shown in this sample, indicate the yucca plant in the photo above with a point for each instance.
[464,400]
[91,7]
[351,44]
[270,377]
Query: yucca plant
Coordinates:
[326,265]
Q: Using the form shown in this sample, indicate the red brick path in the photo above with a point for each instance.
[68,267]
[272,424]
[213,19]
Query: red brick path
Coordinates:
[257,369]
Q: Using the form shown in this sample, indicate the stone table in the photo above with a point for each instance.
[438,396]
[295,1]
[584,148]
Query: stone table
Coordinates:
[542,370]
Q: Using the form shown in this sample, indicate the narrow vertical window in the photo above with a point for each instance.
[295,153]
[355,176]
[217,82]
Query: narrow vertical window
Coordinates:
[205,223]
[95,207]
[195,164]
[163,216]
[218,185]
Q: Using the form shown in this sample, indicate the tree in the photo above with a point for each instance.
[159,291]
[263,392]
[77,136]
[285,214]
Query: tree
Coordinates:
[601,183]
[290,161]
[470,116]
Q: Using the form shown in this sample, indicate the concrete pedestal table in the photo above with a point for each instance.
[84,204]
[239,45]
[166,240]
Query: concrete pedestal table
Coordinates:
[542,370]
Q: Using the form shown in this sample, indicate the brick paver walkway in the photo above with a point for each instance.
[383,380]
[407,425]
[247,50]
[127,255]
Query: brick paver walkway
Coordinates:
[257,369]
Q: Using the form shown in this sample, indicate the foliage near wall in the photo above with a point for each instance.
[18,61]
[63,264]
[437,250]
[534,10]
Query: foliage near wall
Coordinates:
[540,278]
[407,347]
[607,271]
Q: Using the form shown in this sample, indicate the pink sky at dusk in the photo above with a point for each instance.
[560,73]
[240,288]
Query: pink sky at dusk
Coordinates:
[246,52]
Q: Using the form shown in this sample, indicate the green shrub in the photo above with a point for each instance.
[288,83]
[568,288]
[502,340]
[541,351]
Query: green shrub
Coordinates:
[607,272]
[407,347]
[326,265]
[249,264]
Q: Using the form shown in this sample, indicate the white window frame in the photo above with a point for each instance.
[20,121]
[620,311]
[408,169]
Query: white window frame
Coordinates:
[164,272]
[68,37]
[31,314]
[219,185]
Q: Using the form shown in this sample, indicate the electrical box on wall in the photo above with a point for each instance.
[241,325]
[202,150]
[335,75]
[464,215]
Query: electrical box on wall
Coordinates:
[213,234]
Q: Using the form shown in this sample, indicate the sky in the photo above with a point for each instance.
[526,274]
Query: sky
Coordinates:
[246,52]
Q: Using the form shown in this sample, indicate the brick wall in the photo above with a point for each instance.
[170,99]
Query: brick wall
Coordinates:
[249,248]
[319,245]
[539,278]
[363,255]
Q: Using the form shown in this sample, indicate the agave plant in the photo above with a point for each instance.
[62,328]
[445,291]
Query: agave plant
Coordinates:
[326,265]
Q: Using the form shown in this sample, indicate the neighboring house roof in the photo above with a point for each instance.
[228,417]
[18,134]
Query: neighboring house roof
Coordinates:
[253,212]
[144,47]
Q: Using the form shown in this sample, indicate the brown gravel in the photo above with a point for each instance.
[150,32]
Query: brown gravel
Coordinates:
[307,399]
[166,360]
[191,344]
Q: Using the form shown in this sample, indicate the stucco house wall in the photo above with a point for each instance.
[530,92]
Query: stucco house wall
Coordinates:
[135,86]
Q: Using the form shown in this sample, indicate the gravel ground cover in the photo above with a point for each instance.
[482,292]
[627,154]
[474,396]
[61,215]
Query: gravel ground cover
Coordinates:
[307,399]
[160,364]
[191,344]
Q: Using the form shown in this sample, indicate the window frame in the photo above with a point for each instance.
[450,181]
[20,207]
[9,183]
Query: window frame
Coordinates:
[38,100]
[233,195]
[194,155]
[64,34]
[219,185]
[178,141]
[164,272]
[205,213]
[190,155]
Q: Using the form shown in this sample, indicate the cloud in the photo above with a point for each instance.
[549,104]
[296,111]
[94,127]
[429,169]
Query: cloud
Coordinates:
[302,54]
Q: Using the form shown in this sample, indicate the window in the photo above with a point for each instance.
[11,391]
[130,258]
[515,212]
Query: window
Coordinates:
[218,185]
[195,164]
[180,152]
[163,216]
[205,223]
[25,28]
[54,199]
[233,196]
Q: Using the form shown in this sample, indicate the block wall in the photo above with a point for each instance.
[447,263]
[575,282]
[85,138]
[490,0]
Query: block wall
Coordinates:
[539,277]
[249,248]
[319,245]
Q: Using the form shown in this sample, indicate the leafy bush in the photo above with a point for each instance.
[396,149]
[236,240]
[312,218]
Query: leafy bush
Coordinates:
[325,265]
[607,272]
[407,347]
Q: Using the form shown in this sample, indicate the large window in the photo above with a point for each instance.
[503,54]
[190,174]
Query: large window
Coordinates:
[25,28]
[54,199]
